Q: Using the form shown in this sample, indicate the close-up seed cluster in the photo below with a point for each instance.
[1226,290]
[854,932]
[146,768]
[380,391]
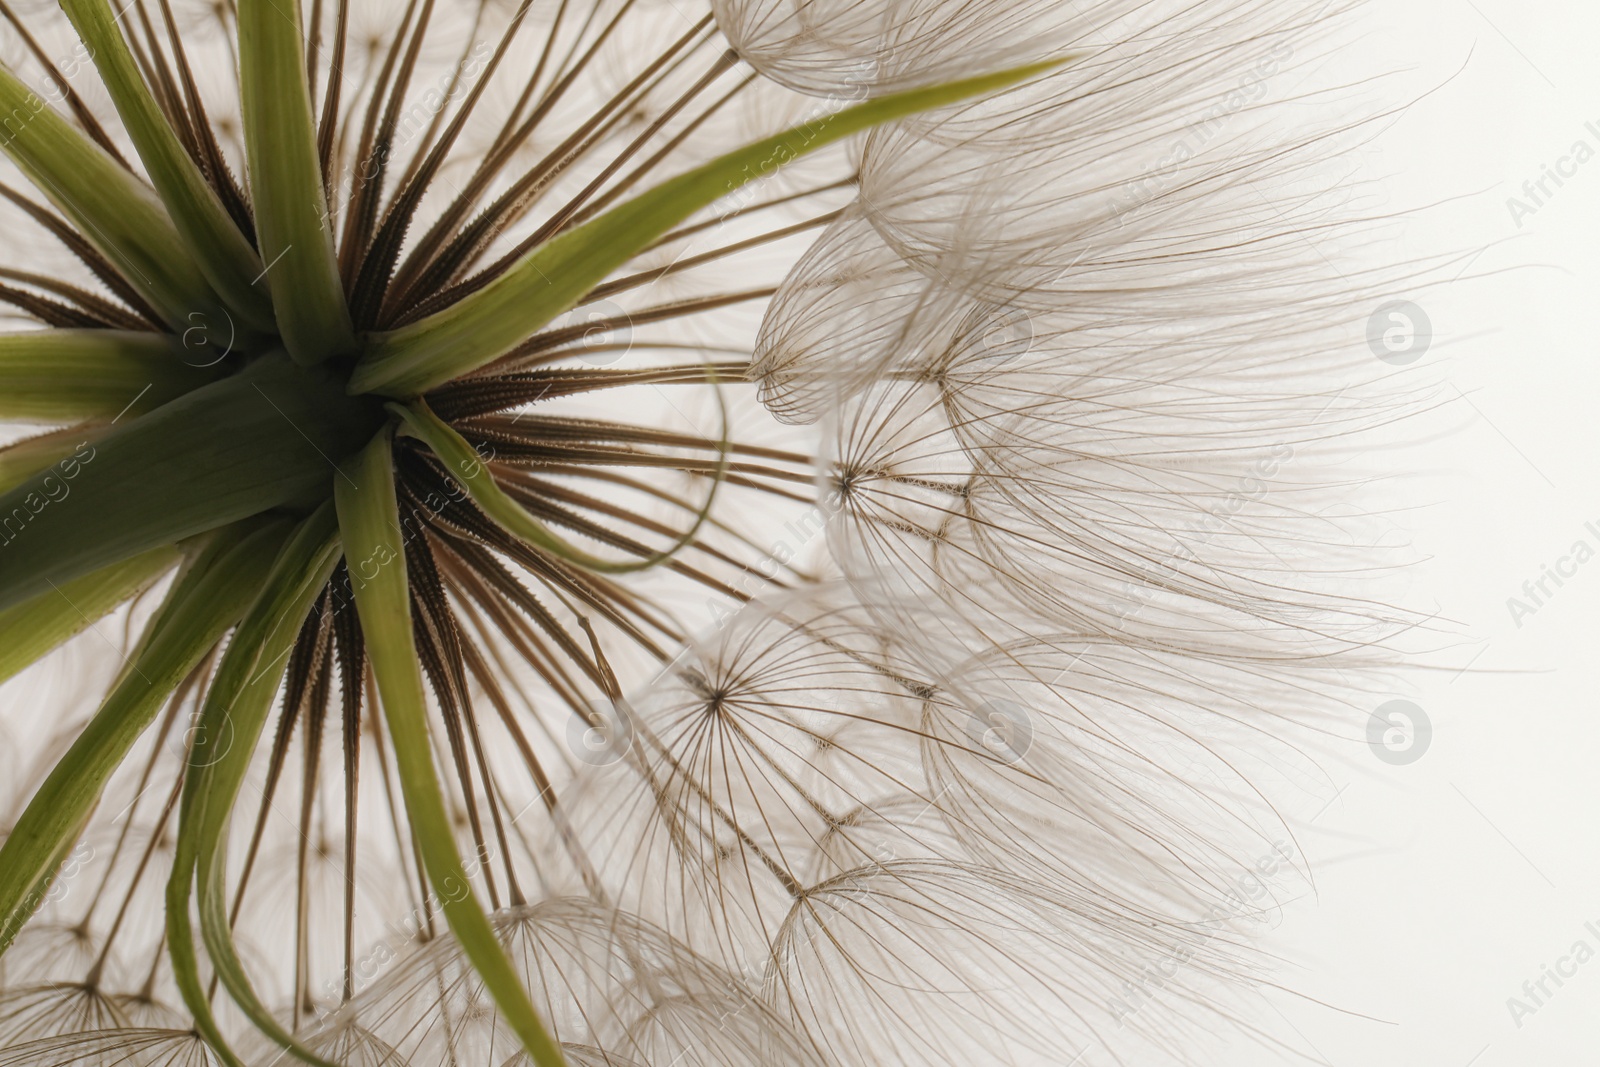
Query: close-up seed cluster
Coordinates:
[647,533]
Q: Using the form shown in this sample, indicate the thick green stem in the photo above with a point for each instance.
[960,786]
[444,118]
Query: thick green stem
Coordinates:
[270,437]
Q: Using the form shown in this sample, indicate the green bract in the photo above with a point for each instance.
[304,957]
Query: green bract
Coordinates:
[552,278]
[207,599]
[231,424]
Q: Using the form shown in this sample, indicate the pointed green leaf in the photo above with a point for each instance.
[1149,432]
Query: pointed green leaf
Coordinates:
[30,630]
[470,471]
[203,603]
[22,459]
[369,520]
[552,278]
[268,437]
[33,894]
[286,188]
[114,210]
[219,248]
[60,376]
[235,712]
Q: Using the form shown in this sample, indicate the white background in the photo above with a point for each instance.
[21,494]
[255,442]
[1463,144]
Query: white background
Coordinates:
[1444,885]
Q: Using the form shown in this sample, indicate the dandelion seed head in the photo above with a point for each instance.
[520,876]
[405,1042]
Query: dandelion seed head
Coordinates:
[987,477]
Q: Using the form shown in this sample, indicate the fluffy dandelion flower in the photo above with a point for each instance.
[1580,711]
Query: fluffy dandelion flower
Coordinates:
[634,533]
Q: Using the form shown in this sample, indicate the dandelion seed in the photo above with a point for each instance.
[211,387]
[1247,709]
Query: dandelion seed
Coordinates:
[606,532]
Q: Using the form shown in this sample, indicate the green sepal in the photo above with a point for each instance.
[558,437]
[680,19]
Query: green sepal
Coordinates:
[219,248]
[552,278]
[22,459]
[369,520]
[472,473]
[266,438]
[29,631]
[20,903]
[286,187]
[235,711]
[203,603]
[56,376]
[113,209]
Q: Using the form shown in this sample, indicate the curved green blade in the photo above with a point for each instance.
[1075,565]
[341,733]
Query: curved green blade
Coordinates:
[237,707]
[33,894]
[28,631]
[469,471]
[22,459]
[268,437]
[552,278]
[115,211]
[56,376]
[369,520]
[280,140]
[203,603]
[219,249]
